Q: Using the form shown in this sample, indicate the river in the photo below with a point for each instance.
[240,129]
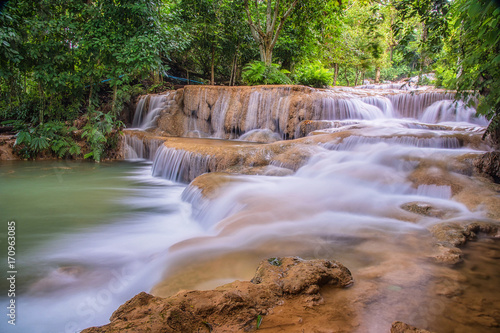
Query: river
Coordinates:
[90,236]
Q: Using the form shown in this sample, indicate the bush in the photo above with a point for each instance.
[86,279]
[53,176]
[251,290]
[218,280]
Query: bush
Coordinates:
[314,75]
[53,136]
[100,135]
[257,72]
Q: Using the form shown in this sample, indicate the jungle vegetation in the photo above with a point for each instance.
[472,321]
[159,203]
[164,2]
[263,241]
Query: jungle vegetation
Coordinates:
[77,63]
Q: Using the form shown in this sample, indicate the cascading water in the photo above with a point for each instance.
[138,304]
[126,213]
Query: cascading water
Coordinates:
[379,154]
[145,119]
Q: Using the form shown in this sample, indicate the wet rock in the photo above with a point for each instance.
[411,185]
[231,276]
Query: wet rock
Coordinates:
[452,235]
[233,307]
[424,208]
[295,275]
[448,255]
[6,147]
[489,164]
[261,136]
[400,327]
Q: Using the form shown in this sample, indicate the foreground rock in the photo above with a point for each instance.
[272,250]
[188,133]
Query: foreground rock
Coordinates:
[400,327]
[489,164]
[452,235]
[234,307]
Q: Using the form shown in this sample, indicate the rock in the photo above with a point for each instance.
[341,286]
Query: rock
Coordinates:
[489,164]
[233,307]
[295,275]
[400,327]
[424,208]
[457,234]
[6,147]
[261,136]
[451,235]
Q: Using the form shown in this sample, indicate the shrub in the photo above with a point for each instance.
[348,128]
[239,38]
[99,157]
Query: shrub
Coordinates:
[257,72]
[99,134]
[314,75]
[51,136]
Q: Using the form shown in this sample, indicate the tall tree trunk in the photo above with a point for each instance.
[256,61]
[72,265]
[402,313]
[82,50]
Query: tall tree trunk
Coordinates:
[90,93]
[377,75]
[232,79]
[266,34]
[267,56]
[346,77]
[187,76]
[336,73]
[212,75]
[113,103]
[40,89]
[357,77]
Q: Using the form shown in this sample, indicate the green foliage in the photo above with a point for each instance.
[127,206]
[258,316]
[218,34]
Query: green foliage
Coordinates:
[259,321]
[55,53]
[257,72]
[314,75]
[274,261]
[51,137]
[100,133]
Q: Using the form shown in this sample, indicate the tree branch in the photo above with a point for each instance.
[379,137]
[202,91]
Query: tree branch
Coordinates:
[282,22]
[268,17]
[257,33]
[276,12]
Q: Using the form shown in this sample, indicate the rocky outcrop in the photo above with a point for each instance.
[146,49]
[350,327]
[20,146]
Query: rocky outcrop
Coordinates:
[288,111]
[400,327]
[6,147]
[452,235]
[489,164]
[235,307]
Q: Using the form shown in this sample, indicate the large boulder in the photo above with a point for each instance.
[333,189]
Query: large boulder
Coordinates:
[234,307]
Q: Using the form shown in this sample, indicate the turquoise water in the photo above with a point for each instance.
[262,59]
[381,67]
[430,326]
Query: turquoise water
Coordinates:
[88,237]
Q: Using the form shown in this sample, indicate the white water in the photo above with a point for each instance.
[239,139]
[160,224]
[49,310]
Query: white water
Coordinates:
[79,277]
[270,109]
[146,118]
[344,204]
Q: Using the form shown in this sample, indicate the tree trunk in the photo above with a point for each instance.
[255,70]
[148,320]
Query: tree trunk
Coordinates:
[335,73]
[156,76]
[90,95]
[212,75]
[346,78]
[187,75]
[267,55]
[232,79]
[357,77]
[113,104]
[377,75]
[40,89]
[266,35]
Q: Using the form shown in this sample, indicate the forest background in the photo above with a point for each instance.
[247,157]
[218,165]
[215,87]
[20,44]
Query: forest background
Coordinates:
[69,65]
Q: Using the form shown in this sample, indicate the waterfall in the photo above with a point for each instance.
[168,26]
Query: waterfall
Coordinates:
[228,113]
[137,148]
[411,105]
[353,141]
[139,110]
[145,120]
[452,111]
[179,165]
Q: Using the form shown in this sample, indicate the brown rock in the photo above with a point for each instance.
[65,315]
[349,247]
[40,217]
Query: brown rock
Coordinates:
[400,327]
[489,164]
[233,307]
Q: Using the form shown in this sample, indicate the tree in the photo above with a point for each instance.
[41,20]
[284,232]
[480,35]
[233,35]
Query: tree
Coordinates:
[267,19]
[474,48]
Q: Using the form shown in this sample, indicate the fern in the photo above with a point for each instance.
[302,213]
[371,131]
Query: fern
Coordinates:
[257,72]
[315,75]
[39,144]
